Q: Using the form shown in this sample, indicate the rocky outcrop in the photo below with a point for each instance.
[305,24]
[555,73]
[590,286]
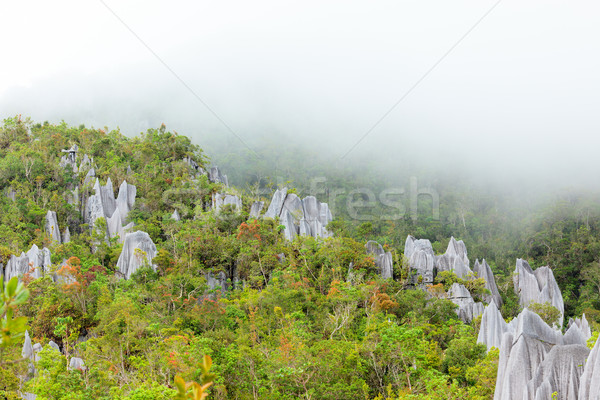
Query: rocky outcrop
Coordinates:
[76,363]
[559,372]
[421,260]
[175,216]
[215,176]
[383,259]
[52,228]
[89,177]
[578,331]
[468,309]
[537,286]
[35,262]
[103,204]
[138,251]
[256,208]
[125,199]
[276,204]
[216,282]
[492,327]
[483,270]
[222,200]
[536,359]
[589,383]
[306,217]
[70,158]
[455,259]
[66,236]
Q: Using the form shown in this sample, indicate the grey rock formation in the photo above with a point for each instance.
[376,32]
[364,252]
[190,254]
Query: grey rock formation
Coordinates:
[421,260]
[256,208]
[536,359]
[102,204]
[484,271]
[36,262]
[215,176]
[537,286]
[578,332]
[222,200]
[125,199]
[66,236]
[52,228]
[76,363]
[589,384]
[197,169]
[317,216]
[89,177]
[287,220]
[86,163]
[492,327]
[213,282]
[54,346]
[27,351]
[306,217]
[70,158]
[276,204]
[114,226]
[107,194]
[455,259]
[138,250]
[559,372]
[175,216]
[468,309]
[383,259]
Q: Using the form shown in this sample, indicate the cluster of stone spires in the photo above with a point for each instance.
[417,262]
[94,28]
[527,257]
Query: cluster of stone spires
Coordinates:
[536,360]
[300,217]
[30,352]
[424,265]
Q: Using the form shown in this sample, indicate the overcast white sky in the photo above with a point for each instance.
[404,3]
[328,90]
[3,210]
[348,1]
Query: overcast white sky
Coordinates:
[521,91]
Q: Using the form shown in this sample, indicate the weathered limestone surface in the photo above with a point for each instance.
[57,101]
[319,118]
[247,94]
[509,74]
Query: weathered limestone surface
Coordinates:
[537,360]
[383,259]
[219,281]
[215,176]
[35,260]
[54,346]
[66,236]
[102,204]
[492,327]
[578,332]
[559,372]
[76,363]
[70,158]
[421,260]
[276,204]
[52,228]
[125,199]
[304,217]
[484,271]
[256,208]
[589,384]
[138,250]
[89,177]
[537,286]
[455,259]
[222,200]
[468,309]
[175,216]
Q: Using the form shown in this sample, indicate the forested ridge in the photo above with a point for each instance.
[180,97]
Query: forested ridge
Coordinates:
[309,318]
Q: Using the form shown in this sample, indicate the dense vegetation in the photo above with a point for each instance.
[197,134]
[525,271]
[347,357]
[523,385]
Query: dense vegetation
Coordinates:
[294,326]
